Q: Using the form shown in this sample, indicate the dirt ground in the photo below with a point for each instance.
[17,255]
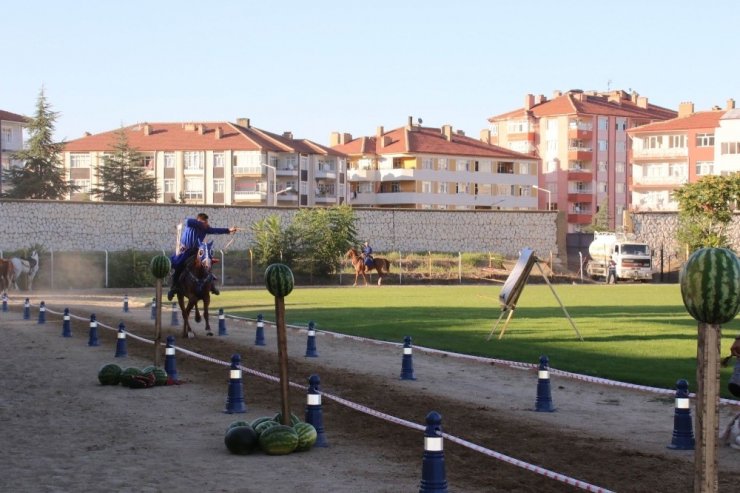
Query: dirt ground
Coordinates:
[62,431]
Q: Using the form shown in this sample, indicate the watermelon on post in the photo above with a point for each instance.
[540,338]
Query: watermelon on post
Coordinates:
[160,266]
[279,440]
[110,374]
[279,280]
[710,285]
[241,439]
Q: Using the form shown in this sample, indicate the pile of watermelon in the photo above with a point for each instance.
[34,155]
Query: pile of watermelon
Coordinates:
[134,378]
[270,435]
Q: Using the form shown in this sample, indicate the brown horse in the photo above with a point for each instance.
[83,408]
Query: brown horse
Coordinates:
[195,285]
[7,274]
[381,265]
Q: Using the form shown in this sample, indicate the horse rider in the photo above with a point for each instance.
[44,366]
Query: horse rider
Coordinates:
[195,230]
[367,254]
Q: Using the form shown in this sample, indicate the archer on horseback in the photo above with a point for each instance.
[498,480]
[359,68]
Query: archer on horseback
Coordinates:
[195,230]
[367,254]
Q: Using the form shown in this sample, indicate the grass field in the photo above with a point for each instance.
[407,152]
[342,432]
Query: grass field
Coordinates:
[638,333]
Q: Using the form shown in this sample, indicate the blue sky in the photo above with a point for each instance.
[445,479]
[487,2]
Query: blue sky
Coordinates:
[323,66]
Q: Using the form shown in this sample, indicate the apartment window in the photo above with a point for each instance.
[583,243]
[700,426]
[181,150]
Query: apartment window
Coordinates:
[274,161]
[603,145]
[444,187]
[518,126]
[83,186]
[169,186]
[7,136]
[426,187]
[603,123]
[620,124]
[619,167]
[621,146]
[730,148]
[603,166]
[443,163]
[552,166]
[192,161]
[461,188]
[147,162]
[169,159]
[193,188]
[704,168]
[218,160]
[704,140]
[677,141]
[654,142]
[218,185]
[79,160]
[601,186]
[524,168]
[463,165]
[505,167]
[494,130]
[427,163]
[619,187]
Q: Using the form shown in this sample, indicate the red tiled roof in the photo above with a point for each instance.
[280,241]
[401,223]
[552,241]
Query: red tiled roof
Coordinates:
[188,137]
[702,119]
[590,104]
[12,117]
[426,140]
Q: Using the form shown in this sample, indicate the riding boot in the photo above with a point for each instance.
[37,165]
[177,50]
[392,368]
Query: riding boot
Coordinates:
[174,286]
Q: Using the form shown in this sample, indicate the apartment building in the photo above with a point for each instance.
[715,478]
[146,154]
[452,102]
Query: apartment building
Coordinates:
[581,140]
[668,154]
[11,140]
[219,163]
[418,167]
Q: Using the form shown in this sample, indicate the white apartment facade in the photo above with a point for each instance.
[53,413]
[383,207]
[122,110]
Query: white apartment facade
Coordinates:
[12,127]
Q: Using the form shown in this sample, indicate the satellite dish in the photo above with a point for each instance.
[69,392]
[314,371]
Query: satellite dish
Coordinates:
[419,120]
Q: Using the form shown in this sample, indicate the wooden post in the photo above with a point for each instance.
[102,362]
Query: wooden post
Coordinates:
[707,408]
[158,322]
[282,340]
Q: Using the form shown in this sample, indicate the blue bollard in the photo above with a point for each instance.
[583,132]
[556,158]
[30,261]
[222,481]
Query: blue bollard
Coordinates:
[154,309]
[125,303]
[66,329]
[544,396]
[121,351]
[174,321]
[259,339]
[221,323]
[235,397]
[683,432]
[169,362]
[433,476]
[314,414]
[93,340]
[27,309]
[42,313]
[311,341]
[407,363]
[5,302]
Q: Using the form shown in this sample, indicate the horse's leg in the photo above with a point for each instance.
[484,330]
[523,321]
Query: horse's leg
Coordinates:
[190,333]
[197,312]
[206,302]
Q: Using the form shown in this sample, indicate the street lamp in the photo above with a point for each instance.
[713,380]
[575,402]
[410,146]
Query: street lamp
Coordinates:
[549,194]
[274,182]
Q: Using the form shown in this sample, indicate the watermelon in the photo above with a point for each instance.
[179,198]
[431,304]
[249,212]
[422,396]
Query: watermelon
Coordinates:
[160,376]
[241,440]
[257,421]
[234,424]
[293,418]
[143,381]
[710,285]
[307,436]
[263,426]
[160,266]
[109,374]
[128,374]
[279,280]
[279,440]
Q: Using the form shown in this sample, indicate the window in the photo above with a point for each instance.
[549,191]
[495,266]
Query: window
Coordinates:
[552,146]
[169,186]
[443,187]
[524,168]
[601,186]
[79,160]
[654,142]
[443,163]
[505,167]
[463,165]
[427,163]
[461,188]
[730,148]
[218,160]
[621,146]
[494,130]
[704,140]
[620,124]
[603,123]
[552,165]
[426,187]
[7,136]
[193,188]
[603,166]
[619,187]
[84,186]
[517,126]
[169,159]
[677,141]
[704,168]
[193,161]
[218,185]
[619,167]
[603,145]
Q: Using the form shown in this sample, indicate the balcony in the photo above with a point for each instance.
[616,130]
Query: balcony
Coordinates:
[581,218]
[580,153]
[660,152]
[659,181]
[578,173]
[248,170]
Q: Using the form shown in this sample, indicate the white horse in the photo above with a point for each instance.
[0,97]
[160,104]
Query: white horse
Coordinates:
[22,266]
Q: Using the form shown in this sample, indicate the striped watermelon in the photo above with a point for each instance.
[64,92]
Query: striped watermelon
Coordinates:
[279,440]
[293,418]
[263,426]
[109,374]
[710,285]
[127,376]
[307,436]
[160,266]
[241,440]
[279,280]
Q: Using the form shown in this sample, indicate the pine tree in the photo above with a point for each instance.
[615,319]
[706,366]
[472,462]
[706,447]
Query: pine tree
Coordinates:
[42,174]
[122,176]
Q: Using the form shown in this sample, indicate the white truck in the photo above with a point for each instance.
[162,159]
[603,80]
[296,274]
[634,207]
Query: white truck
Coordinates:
[632,258]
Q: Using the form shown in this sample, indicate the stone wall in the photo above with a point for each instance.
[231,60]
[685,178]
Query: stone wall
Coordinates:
[95,226]
[659,229]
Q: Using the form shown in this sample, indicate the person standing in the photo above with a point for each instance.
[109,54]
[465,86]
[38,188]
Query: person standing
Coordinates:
[612,276]
[195,230]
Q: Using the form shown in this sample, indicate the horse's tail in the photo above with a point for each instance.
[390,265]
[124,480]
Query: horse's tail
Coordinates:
[384,266]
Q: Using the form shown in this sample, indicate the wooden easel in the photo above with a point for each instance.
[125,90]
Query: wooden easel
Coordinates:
[509,308]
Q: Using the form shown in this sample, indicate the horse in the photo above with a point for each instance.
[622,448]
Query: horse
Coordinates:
[6,274]
[381,265]
[195,285]
[22,266]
